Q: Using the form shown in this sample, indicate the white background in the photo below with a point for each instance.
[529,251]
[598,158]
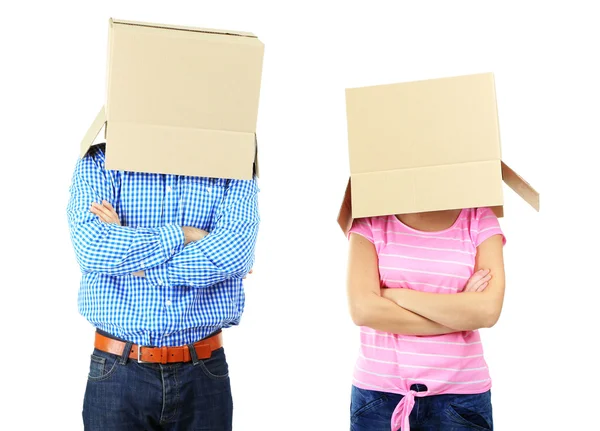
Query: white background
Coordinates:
[291,359]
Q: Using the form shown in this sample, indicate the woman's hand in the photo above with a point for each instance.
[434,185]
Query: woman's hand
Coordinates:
[106,213]
[478,281]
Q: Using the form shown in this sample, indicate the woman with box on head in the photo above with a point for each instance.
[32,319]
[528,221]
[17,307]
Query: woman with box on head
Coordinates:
[426,267]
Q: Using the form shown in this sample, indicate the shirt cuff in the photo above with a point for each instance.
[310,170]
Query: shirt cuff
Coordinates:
[171,239]
[158,275]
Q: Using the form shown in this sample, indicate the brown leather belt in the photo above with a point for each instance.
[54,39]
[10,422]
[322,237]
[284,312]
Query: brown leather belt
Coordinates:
[160,355]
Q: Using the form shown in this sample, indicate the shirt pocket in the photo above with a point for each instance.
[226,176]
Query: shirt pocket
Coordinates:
[201,200]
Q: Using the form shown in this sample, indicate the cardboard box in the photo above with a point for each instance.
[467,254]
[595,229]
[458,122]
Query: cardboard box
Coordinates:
[180,100]
[426,146]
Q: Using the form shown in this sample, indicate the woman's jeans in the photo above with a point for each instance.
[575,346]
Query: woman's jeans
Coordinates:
[372,411]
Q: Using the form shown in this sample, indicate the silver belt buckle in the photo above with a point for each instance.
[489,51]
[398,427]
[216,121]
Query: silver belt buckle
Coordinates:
[139,355]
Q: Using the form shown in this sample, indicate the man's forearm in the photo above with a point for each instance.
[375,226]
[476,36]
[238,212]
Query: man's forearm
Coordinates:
[464,311]
[107,214]
[381,314]
[216,257]
[120,250]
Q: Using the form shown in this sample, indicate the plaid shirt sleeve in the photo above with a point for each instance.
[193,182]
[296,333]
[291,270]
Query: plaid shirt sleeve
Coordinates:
[226,252]
[109,248]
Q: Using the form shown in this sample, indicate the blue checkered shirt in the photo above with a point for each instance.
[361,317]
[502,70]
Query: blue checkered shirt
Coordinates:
[189,291]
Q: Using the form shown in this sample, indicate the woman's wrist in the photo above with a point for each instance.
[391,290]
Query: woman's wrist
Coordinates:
[394,294]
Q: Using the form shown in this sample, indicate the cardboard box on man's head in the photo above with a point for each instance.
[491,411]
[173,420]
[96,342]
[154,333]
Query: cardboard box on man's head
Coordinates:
[180,100]
[426,146]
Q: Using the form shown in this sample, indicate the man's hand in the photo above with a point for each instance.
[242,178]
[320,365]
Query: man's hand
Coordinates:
[249,272]
[478,281]
[192,234]
[105,212]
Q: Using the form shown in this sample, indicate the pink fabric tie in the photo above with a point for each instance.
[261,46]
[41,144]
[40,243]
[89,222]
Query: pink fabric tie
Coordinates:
[400,417]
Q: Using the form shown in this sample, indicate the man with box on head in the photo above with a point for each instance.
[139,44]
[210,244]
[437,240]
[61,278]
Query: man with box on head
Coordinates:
[426,266]
[164,219]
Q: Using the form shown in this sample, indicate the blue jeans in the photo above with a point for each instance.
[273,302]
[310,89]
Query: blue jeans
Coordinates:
[122,394]
[372,411]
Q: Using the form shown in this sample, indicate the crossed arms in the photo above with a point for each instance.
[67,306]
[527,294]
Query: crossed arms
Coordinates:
[408,312]
[170,254]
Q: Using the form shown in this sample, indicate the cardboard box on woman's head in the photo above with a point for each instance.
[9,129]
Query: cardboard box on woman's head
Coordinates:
[426,146]
[180,100]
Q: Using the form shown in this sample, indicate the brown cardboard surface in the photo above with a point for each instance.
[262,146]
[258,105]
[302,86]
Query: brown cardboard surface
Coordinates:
[182,100]
[92,132]
[424,123]
[426,189]
[426,146]
[215,153]
[345,214]
[521,187]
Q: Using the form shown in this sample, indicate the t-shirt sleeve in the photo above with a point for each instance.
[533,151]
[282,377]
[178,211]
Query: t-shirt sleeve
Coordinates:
[363,227]
[484,226]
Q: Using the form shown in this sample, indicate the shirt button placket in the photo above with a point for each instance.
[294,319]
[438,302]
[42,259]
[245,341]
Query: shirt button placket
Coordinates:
[170,216]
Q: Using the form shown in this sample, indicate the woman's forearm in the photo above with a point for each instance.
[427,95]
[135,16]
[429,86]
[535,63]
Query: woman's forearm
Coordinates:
[382,314]
[465,311]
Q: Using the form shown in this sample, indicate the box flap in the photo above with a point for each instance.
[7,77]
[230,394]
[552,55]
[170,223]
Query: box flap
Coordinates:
[404,191]
[521,187]
[183,28]
[498,210]
[345,214]
[180,151]
[92,133]
[256,166]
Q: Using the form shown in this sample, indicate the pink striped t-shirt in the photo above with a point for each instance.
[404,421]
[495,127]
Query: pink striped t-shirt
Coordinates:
[438,262]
